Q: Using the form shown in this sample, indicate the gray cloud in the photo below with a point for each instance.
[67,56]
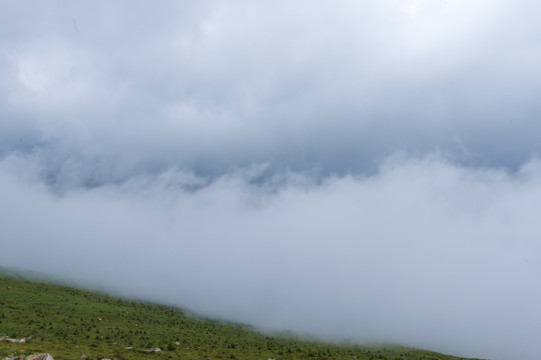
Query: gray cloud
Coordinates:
[240,160]
[296,85]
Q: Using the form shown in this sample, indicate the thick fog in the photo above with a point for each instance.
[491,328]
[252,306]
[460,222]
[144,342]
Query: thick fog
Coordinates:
[352,170]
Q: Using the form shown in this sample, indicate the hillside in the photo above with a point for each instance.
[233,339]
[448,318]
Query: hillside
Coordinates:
[72,324]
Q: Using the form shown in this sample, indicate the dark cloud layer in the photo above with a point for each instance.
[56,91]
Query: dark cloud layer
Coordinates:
[352,170]
[211,85]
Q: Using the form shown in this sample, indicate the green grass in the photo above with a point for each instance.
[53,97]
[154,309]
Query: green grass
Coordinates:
[65,322]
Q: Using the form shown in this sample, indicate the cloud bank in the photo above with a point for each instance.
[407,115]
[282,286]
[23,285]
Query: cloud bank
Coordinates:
[424,253]
[355,171]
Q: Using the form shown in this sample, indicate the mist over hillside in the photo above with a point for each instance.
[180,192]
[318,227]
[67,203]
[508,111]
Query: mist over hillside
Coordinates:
[353,171]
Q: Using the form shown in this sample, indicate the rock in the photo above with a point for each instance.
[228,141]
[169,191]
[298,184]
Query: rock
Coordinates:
[43,356]
[153,350]
[23,340]
[40,357]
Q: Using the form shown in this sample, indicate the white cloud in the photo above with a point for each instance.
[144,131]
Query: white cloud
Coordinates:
[424,253]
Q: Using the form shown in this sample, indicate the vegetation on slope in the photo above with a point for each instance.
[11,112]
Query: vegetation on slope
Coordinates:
[74,324]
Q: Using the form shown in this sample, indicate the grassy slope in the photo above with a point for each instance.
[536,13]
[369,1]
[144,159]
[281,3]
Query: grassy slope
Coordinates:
[65,322]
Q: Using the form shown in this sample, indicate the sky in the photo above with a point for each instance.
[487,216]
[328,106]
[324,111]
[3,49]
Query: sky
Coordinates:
[363,171]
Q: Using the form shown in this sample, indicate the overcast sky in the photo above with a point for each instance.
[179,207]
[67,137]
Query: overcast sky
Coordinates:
[353,170]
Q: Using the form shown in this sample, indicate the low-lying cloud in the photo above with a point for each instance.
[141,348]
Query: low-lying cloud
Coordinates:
[424,252]
[243,160]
